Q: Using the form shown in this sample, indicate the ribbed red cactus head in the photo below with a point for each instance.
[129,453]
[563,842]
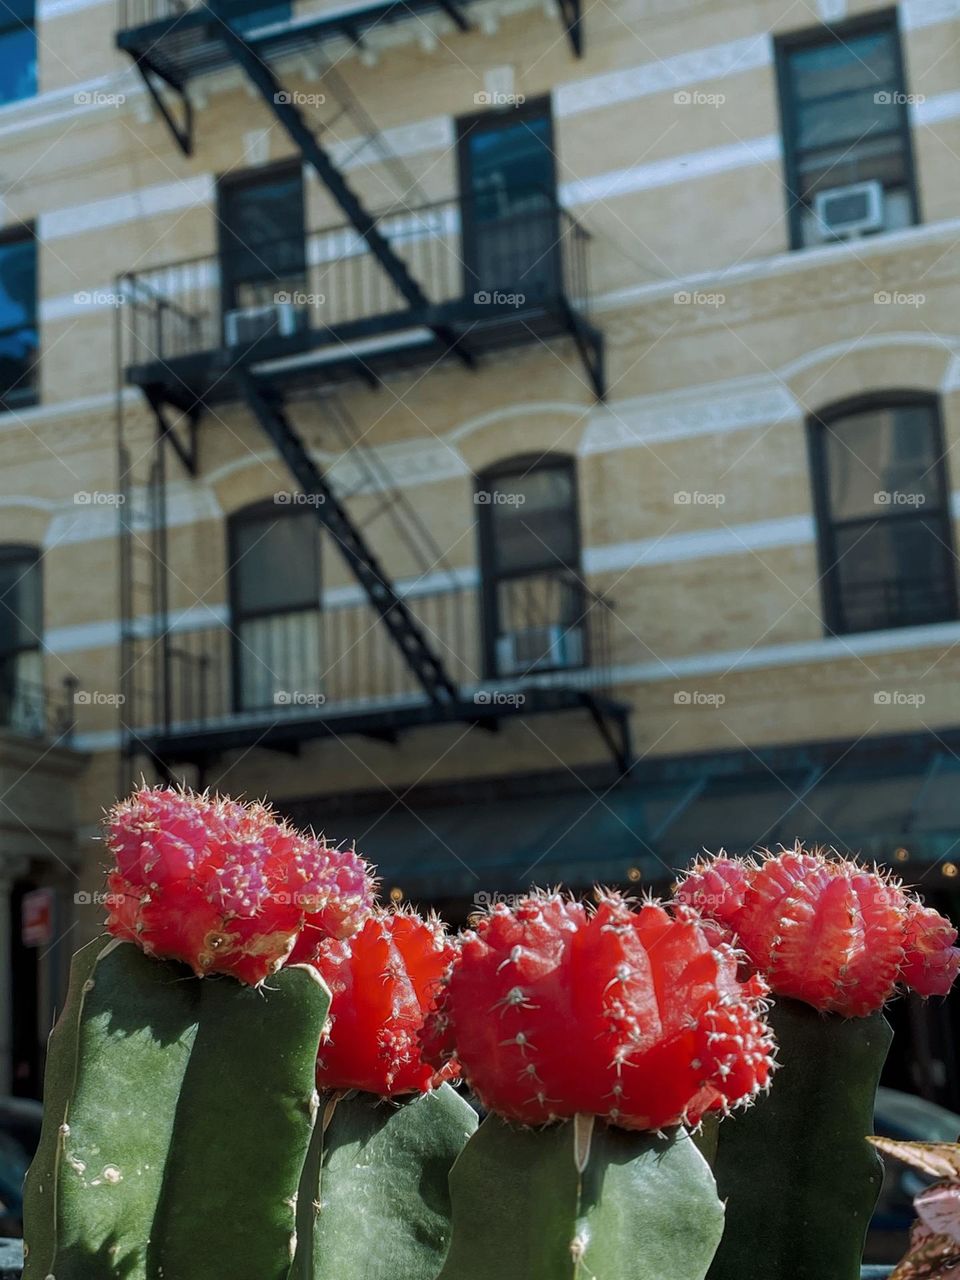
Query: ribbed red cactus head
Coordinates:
[384,981]
[826,930]
[628,1014]
[224,886]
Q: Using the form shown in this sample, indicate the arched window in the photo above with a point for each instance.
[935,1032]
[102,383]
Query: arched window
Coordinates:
[533,597]
[21,637]
[274,571]
[883,510]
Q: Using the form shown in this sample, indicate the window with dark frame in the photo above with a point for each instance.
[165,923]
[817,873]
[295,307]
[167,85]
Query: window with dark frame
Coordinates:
[18,51]
[883,508]
[274,574]
[19,338]
[846,130]
[21,639]
[262,236]
[510,227]
[533,596]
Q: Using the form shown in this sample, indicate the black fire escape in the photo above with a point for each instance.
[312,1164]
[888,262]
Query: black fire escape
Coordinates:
[402,300]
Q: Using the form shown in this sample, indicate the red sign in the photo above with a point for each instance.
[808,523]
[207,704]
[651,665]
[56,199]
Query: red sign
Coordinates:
[36,918]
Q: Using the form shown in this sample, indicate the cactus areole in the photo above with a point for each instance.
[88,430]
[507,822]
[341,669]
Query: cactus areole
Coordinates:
[226,887]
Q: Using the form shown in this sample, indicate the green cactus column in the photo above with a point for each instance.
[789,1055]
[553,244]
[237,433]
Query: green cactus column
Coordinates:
[177,1115]
[377,1178]
[798,1176]
[570,1203]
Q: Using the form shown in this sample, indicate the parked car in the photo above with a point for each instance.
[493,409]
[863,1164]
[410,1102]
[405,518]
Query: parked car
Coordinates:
[900,1115]
[19,1135]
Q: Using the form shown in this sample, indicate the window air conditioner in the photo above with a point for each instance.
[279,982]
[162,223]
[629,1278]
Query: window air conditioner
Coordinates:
[247,325]
[852,210]
[534,648]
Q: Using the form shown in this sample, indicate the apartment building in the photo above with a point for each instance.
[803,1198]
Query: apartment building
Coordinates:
[515,437]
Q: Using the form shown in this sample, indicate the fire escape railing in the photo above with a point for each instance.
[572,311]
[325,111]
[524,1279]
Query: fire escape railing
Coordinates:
[531,261]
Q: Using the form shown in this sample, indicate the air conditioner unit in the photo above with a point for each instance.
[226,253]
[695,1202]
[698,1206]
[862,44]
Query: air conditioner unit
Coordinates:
[852,210]
[534,648]
[247,325]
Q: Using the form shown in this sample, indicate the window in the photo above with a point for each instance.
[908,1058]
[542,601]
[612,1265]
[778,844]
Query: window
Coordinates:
[262,237]
[533,598]
[846,129]
[508,191]
[18,319]
[886,546]
[21,628]
[275,604]
[18,51]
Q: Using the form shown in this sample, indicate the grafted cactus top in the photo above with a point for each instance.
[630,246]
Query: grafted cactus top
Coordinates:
[826,930]
[553,1009]
[226,887]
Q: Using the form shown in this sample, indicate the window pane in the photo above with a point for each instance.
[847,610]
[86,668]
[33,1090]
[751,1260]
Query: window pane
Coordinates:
[882,460]
[893,573]
[278,661]
[18,61]
[18,333]
[263,233]
[847,119]
[534,522]
[277,562]
[865,61]
[21,606]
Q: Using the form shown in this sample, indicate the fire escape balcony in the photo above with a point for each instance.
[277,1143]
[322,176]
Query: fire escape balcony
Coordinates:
[177,41]
[323,309]
[279,680]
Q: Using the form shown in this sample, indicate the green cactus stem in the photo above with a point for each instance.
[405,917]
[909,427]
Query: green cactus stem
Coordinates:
[800,1181]
[384,1203]
[177,1116]
[574,1201]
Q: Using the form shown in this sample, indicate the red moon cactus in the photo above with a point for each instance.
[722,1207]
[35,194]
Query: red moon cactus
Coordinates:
[226,887]
[826,930]
[554,1010]
[384,981]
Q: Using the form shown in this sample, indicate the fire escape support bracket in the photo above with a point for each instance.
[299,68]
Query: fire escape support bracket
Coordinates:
[166,432]
[405,631]
[613,724]
[291,118]
[571,15]
[180,130]
[456,15]
[589,343]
